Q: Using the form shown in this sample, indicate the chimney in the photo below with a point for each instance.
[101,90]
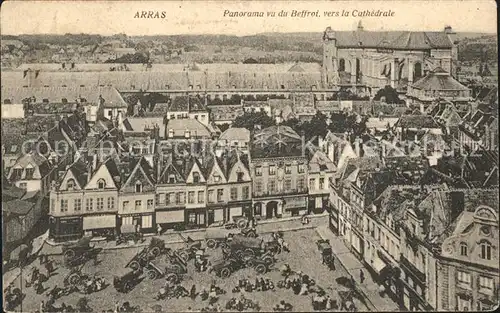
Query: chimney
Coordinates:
[94,162]
[448,29]
[357,147]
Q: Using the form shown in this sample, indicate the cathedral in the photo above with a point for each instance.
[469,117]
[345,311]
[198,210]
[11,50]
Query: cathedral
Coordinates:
[378,58]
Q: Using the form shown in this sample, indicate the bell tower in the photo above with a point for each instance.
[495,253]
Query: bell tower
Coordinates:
[330,74]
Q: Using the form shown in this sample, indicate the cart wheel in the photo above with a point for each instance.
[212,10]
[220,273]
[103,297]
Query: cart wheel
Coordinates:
[249,252]
[135,265]
[252,234]
[249,263]
[69,254]
[152,274]
[242,223]
[155,252]
[223,245]
[225,272]
[268,260]
[74,279]
[260,268]
[172,278]
[240,254]
[183,255]
[212,244]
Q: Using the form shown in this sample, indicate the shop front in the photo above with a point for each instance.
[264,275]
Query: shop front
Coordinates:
[215,214]
[295,206]
[65,228]
[196,218]
[357,244]
[145,221]
[168,219]
[240,208]
[318,203]
[102,225]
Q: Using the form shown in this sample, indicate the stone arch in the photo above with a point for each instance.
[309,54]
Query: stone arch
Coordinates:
[401,72]
[485,213]
[341,65]
[417,71]
[271,209]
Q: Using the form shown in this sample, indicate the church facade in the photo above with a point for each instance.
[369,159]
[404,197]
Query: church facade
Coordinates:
[376,58]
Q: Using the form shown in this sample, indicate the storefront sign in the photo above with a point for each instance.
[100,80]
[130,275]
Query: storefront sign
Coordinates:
[99,222]
[163,217]
[292,203]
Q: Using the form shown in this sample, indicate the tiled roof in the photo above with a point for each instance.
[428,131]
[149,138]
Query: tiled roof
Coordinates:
[179,126]
[319,162]
[141,124]
[437,80]
[17,206]
[404,40]
[236,133]
[417,121]
[226,112]
[276,141]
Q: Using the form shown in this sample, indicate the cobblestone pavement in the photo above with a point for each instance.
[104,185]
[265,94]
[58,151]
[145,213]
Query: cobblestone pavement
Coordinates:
[304,256]
[369,288]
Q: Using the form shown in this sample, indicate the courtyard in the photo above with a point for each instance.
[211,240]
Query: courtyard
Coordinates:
[303,256]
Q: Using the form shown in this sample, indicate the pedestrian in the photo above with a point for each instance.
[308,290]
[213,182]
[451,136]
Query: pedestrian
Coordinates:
[158,229]
[40,258]
[96,262]
[42,306]
[328,303]
[193,292]
[361,276]
[117,307]
[49,266]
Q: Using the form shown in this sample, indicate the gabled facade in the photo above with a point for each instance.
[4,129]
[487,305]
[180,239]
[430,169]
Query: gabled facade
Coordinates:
[196,189]
[137,195]
[239,185]
[33,172]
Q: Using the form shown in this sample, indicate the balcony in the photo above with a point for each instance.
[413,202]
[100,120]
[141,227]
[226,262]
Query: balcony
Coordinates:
[413,270]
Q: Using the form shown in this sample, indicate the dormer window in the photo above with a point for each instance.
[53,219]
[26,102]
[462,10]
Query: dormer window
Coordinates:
[70,184]
[138,187]
[171,179]
[187,133]
[463,249]
[196,177]
[101,184]
[216,178]
[240,176]
[64,100]
[45,100]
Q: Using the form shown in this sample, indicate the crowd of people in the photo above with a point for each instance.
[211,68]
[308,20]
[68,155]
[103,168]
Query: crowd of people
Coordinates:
[261,284]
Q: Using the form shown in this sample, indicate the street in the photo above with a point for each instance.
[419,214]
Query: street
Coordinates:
[304,256]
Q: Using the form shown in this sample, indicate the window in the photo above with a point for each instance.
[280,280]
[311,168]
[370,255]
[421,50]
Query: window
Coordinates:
[245,192]
[201,197]
[216,178]
[464,278]
[89,205]
[150,204]
[301,168]
[463,249]
[111,203]
[171,179]
[240,176]
[486,284]
[161,198]
[288,169]
[196,177]
[138,205]
[52,205]
[300,183]
[70,184]
[220,195]
[288,184]
[272,169]
[312,183]
[191,197]
[258,187]
[211,198]
[64,205]
[77,204]
[258,209]
[234,193]
[100,204]
[258,171]
[271,186]
[138,187]
[101,184]
[179,198]
[23,185]
[485,250]
[322,183]
[192,218]
[125,205]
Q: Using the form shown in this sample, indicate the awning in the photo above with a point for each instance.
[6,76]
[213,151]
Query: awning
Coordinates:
[98,222]
[163,217]
[378,265]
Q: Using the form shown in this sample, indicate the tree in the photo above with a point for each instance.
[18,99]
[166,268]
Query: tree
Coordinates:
[249,119]
[223,127]
[390,94]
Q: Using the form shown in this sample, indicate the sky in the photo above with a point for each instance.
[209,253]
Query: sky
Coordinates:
[204,17]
